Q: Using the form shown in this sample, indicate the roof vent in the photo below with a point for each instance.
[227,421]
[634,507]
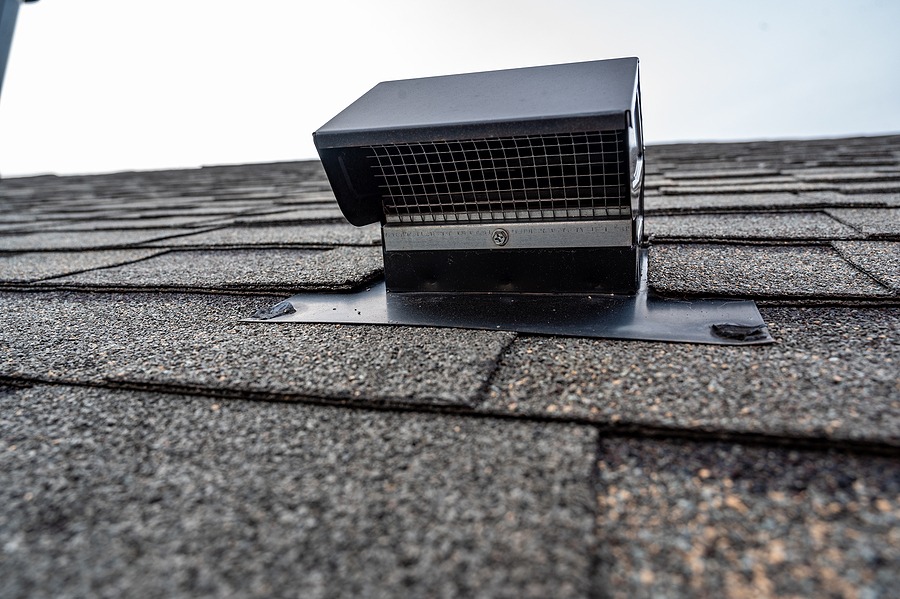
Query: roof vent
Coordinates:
[524,180]
[508,200]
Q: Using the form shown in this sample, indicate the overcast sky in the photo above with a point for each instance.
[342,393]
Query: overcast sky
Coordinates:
[105,85]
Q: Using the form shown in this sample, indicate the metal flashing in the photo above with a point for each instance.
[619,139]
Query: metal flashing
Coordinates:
[643,316]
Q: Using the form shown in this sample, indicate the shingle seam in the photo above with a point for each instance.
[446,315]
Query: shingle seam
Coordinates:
[605,430]
[117,265]
[481,395]
[675,191]
[799,241]
[872,276]
[347,401]
[867,236]
[731,210]
[237,290]
[827,302]
[267,246]
[293,221]
[803,210]
[875,188]
[274,296]
[724,174]
[7,385]
[844,221]
[890,298]
[599,584]
[115,246]
[200,227]
[282,208]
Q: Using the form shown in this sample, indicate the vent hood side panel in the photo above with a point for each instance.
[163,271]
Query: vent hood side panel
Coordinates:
[350,178]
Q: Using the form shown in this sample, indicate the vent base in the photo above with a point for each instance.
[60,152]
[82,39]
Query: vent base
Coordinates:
[641,316]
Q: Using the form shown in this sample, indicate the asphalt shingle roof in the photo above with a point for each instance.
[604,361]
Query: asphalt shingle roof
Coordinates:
[152,444]
[118,493]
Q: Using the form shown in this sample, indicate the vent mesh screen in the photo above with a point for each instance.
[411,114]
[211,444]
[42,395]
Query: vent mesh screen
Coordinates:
[536,177]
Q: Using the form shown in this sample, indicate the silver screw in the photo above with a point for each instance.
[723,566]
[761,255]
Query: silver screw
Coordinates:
[500,237]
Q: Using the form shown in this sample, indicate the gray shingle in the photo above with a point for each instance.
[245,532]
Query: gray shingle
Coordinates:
[84,240]
[881,259]
[279,236]
[876,187]
[318,195]
[118,224]
[323,212]
[848,173]
[875,222]
[833,374]
[725,188]
[833,199]
[141,495]
[720,173]
[248,270]
[197,343]
[766,201]
[692,180]
[721,520]
[847,176]
[34,266]
[758,271]
[795,226]
[199,209]
[746,201]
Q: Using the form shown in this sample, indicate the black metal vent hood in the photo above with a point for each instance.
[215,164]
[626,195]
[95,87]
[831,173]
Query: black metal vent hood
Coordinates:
[508,200]
[520,180]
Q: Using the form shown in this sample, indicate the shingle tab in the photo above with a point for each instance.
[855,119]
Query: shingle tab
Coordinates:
[833,199]
[34,266]
[84,240]
[240,270]
[832,374]
[758,271]
[763,226]
[319,213]
[197,343]
[743,202]
[874,187]
[847,176]
[726,188]
[874,222]
[111,493]
[279,236]
[119,224]
[880,259]
[715,174]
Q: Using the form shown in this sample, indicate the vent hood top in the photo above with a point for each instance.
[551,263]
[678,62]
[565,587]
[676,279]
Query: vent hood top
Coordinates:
[599,92]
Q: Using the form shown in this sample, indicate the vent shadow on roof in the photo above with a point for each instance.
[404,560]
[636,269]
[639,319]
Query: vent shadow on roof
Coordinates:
[507,200]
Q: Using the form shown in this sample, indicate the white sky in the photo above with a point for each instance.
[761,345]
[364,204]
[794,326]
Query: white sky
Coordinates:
[105,85]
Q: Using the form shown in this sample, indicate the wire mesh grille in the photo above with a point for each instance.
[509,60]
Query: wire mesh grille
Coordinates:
[537,177]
